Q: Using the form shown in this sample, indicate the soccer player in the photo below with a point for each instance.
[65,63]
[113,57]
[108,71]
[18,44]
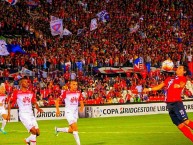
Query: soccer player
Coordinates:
[72,98]
[174,87]
[25,99]
[5,114]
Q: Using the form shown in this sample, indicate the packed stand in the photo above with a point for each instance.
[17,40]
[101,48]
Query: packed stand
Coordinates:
[154,30]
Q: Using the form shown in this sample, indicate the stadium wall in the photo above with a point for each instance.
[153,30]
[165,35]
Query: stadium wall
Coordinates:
[131,109]
[105,111]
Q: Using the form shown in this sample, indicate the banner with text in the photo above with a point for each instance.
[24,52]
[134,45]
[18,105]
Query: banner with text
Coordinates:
[14,116]
[131,109]
[50,114]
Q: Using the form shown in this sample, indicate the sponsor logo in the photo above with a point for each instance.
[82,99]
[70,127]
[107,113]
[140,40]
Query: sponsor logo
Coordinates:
[50,114]
[110,111]
[126,110]
[97,112]
[188,107]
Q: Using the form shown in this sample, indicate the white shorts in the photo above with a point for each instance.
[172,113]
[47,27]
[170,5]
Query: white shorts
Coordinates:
[71,116]
[3,111]
[28,120]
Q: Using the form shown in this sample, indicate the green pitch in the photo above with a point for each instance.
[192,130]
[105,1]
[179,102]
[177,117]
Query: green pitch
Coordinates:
[134,130]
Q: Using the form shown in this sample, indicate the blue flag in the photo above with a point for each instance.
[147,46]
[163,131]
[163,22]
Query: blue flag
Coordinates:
[79,65]
[148,66]
[139,64]
[15,48]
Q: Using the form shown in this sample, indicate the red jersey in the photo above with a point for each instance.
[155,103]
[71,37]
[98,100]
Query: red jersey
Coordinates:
[174,94]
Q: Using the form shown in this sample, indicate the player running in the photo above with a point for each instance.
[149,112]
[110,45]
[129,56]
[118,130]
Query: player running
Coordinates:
[25,99]
[3,112]
[72,98]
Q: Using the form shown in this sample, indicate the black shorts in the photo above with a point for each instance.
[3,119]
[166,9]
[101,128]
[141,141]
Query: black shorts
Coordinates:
[177,112]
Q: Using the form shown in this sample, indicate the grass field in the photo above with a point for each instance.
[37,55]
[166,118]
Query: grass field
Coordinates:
[133,130]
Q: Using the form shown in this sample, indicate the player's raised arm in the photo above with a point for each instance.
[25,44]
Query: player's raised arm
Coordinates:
[156,88]
[57,104]
[37,107]
[35,104]
[81,102]
[8,110]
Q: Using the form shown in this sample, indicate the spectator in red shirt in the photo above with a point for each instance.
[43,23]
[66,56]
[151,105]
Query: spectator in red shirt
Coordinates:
[6,74]
[51,100]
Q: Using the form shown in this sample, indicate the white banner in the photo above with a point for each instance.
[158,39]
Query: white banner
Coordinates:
[53,18]
[66,32]
[49,1]
[26,72]
[50,114]
[103,15]
[114,70]
[56,27]
[131,109]
[14,116]
[3,48]
[93,24]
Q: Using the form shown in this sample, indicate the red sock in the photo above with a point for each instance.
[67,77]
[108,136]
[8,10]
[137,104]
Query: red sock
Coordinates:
[190,124]
[186,131]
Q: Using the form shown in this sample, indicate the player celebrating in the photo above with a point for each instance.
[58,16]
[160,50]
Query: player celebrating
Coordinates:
[25,99]
[3,112]
[174,102]
[71,97]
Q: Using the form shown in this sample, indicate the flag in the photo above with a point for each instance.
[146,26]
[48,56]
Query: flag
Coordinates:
[3,48]
[33,3]
[83,4]
[53,18]
[66,32]
[139,64]
[49,1]
[12,2]
[93,24]
[79,65]
[15,48]
[26,72]
[108,70]
[103,16]
[134,29]
[148,66]
[79,32]
[56,27]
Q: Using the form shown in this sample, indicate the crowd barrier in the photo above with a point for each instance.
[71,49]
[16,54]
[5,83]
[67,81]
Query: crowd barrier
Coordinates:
[131,109]
[105,111]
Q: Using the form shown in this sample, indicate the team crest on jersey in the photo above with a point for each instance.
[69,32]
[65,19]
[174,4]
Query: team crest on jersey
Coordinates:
[26,99]
[73,99]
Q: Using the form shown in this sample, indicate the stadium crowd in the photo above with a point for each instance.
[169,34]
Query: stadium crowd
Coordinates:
[151,29]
